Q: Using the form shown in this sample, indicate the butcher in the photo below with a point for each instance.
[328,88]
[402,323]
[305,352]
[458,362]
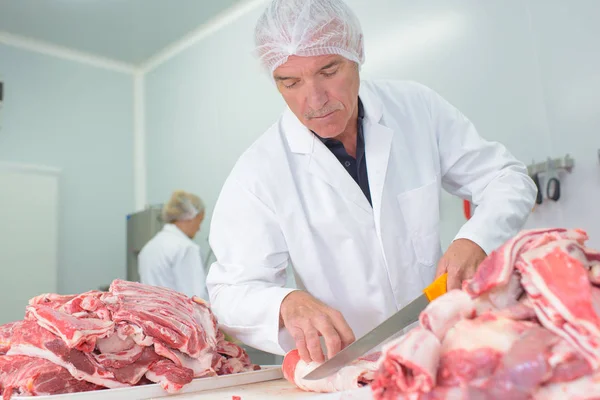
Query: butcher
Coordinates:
[344,188]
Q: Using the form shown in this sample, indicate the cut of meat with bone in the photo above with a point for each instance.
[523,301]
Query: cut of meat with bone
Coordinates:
[29,376]
[447,310]
[79,333]
[353,376]
[558,285]
[408,365]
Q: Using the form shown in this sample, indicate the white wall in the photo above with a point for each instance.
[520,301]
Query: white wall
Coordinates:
[77,118]
[524,71]
[30,260]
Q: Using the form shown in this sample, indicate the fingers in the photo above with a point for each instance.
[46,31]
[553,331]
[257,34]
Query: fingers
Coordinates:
[343,329]
[300,340]
[313,344]
[454,280]
[333,341]
[442,267]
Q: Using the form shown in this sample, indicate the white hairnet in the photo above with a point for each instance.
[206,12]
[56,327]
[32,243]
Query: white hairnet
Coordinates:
[182,206]
[307,28]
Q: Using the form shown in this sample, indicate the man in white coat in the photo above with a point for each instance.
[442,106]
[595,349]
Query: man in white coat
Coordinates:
[345,187]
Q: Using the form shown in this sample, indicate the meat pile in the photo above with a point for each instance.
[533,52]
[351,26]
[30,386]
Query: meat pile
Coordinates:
[134,334]
[527,326]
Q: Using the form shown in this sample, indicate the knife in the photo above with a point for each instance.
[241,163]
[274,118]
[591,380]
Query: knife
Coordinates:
[391,326]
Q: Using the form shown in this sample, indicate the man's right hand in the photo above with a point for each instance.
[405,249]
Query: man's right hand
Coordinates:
[307,318]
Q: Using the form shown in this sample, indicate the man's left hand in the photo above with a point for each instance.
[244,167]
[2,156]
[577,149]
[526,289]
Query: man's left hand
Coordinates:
[460,261]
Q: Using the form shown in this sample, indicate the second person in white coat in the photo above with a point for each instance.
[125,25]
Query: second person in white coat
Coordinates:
[346,188]
[171,258]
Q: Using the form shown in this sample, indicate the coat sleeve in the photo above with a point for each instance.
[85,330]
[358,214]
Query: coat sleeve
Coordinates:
[482,172]
[246,283]
[189,275]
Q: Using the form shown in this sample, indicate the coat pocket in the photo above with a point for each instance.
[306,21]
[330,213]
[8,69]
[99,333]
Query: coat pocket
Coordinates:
[420,209]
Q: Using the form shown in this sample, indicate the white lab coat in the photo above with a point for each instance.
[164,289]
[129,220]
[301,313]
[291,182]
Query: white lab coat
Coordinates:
[289,200]
[172,260]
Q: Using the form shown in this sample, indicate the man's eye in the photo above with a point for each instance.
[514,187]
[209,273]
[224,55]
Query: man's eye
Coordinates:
[329,73]
[290,85]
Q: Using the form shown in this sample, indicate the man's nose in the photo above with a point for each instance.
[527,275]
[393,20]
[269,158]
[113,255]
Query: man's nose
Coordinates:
[316,96]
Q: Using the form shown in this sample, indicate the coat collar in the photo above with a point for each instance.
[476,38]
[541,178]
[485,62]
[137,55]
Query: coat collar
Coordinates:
[173,229]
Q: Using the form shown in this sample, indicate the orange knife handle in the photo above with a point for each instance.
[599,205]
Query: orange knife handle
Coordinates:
[437,288]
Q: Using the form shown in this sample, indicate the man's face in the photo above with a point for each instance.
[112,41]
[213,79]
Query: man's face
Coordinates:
[322,91]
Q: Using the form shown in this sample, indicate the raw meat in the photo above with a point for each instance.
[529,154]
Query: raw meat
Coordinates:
[30,339]
[353,376]
[441,315]
[29,376]
[6,332]
[132,335]
[535,332]
[163,314]
[171,377]
[558,285]
[495,275]
[77,333]
[408,365]
[472,349]
[585,388]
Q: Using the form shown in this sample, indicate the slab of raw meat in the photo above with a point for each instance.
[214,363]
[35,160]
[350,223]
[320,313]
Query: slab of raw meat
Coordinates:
[408,364]
[168,316]
[77,333]
[557,283]
[495,272]
[447,310]
[170,376]
[29,376]
[234,358]
[356,375]
[201,366]
[30,339]
[51,299]
[473,348]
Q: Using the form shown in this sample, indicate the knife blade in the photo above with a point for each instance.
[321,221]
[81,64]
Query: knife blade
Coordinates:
[387,329]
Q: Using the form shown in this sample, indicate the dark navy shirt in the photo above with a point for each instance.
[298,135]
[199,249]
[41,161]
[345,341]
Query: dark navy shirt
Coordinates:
[356,167]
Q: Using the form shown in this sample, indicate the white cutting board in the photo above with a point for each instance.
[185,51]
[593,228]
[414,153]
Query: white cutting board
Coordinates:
[272,390]
[154,391]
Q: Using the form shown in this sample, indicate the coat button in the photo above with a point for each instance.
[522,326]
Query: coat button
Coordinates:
[347,163]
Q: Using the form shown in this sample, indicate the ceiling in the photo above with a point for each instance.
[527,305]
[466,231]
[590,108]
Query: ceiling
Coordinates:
[129,31]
